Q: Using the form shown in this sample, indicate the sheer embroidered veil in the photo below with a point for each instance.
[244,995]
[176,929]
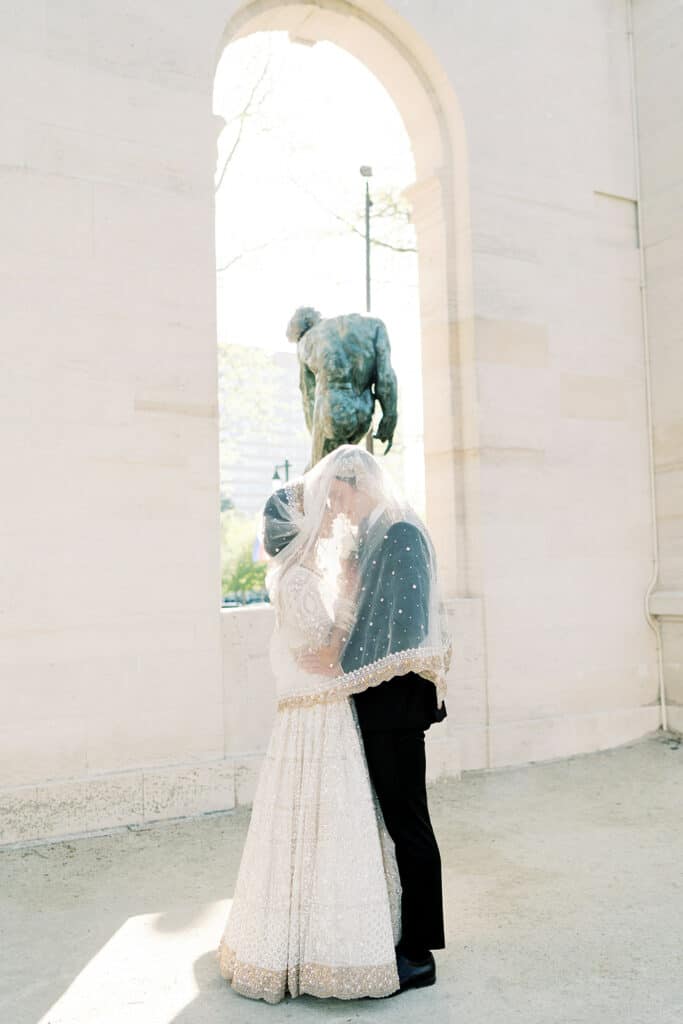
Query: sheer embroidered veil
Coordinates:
[366,572]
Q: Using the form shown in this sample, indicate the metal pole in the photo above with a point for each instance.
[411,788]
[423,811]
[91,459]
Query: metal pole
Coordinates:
[367,245]
[369,445]
[366,171]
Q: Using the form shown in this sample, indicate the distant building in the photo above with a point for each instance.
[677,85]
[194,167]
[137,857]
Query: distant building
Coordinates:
[268,428]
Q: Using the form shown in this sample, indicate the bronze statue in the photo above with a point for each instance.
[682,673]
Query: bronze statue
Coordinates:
[345,365]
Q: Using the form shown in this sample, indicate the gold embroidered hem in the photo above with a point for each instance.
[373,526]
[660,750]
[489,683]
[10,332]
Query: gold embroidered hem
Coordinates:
[425,661]
[318,884]
[321,980]
[248,980]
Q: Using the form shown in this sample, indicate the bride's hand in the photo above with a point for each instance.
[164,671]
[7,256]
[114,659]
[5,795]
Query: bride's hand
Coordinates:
[322,661]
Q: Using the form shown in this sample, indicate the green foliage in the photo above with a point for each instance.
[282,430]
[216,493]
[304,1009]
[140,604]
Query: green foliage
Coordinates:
[238,572]
[255,397]
[250,382]
[245,575]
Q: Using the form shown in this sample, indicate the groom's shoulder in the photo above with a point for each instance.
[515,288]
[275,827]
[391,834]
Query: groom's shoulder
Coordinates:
[401,528]
[402,531]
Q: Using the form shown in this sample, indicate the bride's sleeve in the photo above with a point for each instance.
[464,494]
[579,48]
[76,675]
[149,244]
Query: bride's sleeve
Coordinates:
[346,604]
[306,611]
[345,614]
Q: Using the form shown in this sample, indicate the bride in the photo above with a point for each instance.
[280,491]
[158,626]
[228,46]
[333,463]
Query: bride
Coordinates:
[316,907]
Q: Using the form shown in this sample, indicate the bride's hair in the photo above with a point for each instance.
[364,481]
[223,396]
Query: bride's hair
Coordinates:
[279,526]
[296,512]
[356,467]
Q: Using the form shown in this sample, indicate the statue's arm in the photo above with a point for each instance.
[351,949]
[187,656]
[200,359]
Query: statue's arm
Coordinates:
[385,387]
[307,387]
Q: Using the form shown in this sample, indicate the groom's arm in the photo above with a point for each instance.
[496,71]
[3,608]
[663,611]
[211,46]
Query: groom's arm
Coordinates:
[394,602]
[405,580]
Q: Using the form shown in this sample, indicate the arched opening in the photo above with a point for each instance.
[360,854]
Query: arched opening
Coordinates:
[393,52]
[312,146]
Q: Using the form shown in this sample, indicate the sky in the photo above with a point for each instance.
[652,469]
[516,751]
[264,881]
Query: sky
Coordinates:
[290,192]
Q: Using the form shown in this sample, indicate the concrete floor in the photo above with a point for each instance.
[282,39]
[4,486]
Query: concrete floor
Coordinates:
[564,904]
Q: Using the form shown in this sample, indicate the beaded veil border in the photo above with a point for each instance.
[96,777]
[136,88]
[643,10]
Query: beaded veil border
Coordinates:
[429,663]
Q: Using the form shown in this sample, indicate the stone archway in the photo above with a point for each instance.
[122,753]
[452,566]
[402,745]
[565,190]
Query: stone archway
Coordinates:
[393,51]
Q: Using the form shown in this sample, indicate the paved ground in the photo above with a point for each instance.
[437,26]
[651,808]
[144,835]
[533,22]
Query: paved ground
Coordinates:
[564,886]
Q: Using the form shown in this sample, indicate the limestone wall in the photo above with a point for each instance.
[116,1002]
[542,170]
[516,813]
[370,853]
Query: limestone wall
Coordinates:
[116,706]
[658,38]
[110,647]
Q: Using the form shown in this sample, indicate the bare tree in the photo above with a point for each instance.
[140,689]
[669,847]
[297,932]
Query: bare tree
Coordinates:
[391,227]
[254,104]
[390,210]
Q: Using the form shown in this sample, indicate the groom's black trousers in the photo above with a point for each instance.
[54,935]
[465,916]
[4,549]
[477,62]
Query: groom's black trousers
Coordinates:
[396,762]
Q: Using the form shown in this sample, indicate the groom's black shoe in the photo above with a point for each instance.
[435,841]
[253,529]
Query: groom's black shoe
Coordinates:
[414,973]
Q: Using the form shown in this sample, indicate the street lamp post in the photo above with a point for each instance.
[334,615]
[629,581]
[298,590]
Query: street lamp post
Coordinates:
[367,173]
[282,465]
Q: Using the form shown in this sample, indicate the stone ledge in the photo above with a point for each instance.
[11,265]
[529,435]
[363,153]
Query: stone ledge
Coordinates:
[72,807]
[666,603]
[511,744]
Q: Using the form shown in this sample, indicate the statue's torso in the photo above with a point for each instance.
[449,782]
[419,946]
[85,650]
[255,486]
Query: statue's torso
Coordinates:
[341,351]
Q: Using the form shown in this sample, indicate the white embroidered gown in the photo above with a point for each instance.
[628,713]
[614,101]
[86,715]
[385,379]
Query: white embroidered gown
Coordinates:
[316,906]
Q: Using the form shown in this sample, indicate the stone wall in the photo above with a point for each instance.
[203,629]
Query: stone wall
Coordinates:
[658,39]
[110,648]
[115,706]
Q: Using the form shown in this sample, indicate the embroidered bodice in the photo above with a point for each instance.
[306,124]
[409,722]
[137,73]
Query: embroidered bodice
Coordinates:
[302,613]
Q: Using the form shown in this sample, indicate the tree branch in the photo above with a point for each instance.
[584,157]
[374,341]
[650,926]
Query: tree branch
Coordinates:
[242,117]
[247,252]
[350,225]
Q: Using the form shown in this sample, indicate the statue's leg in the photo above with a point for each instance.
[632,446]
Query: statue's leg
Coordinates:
[364,408]
[318,440]
[340,417]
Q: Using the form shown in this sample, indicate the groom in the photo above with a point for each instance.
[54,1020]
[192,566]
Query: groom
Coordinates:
[393,717]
